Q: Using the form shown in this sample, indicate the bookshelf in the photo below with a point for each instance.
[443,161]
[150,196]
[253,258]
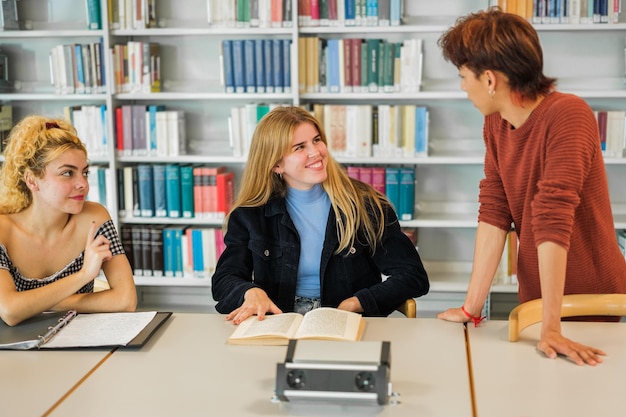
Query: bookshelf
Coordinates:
[588,59]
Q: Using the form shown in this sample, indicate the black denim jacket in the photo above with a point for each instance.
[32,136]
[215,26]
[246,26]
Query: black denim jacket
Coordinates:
[263,250]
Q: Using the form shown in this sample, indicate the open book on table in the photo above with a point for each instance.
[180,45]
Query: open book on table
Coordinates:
[321,323]
[72,330]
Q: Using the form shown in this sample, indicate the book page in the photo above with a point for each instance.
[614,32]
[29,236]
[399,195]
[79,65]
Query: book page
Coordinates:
[101,329]
[277,325]
[330,323]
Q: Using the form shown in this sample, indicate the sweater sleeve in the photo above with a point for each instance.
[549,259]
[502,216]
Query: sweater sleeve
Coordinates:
[569,152]
[494,208]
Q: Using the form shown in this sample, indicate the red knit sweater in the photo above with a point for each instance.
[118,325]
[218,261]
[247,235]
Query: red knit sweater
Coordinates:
[548,179]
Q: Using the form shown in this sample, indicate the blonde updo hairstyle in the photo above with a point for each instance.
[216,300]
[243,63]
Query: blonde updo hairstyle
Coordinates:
[32,143]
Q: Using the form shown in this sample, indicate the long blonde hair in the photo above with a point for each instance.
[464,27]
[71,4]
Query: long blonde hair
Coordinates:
[31,145]
[357,206]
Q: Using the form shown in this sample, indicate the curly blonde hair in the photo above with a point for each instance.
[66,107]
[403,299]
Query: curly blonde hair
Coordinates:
[32,143]
[359,208]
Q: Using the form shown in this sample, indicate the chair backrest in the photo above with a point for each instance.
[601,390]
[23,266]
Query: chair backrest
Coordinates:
[530,312]
[408,308]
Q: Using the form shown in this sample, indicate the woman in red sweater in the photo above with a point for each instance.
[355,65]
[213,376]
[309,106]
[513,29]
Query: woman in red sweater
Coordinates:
[544,175]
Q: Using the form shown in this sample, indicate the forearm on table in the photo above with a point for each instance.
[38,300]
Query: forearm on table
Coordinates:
[487,253]
[552,266]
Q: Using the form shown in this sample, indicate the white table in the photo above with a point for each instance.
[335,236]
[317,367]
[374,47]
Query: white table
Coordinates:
[187,369]
[513,379]
[31,382]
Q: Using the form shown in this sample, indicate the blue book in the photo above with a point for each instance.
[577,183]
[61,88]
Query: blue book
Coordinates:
[287,65]
[277,65]
[151,127]
[104,118]
[145,179]
[392,187]
[227,65]
[249,65]
[395,12]
[406,205]
[102,186]
[332,66]
[160,199]
[268,53]
[187,191]
[177,250]
[350,12]
[259,65]
[79,88]
[172,190]
[168,252]
[371,12]
[197,253]
[239,66]
[421,131]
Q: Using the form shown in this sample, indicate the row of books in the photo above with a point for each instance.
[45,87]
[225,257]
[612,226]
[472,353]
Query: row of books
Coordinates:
[136,67]
[172,251]
[612,126]
[90,122]
[242,123]
[250,13]
[379,131]
[131,14]
[354,65]
[564,11]
[256,65]
[175,191]
[78,68]
[100,185]
[149,130]
[398,184]
[349,12]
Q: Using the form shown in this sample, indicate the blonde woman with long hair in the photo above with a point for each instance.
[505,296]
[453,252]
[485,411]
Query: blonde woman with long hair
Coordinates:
[303,234]
[53,242]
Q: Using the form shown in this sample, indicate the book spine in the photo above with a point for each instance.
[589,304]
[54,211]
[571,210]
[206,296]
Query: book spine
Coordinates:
[198,253]
[286,59]
[406,194]
[146,190]
[268,54]
[94,20]
[225,193]
[156,250]
[137,254]
[392,187]
[173,190]
[259,65]
[187,191]
[146,251]
[278,65]
[159,185]
[239,66]
[249,65]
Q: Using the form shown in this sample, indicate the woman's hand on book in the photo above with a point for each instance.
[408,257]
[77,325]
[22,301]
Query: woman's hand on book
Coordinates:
[255,301]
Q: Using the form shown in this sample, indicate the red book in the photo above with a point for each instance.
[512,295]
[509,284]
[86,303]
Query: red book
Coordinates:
[119,130]
[347,65]
[209,189]
[198,206]
[225,192]
[379,178]
[355,63]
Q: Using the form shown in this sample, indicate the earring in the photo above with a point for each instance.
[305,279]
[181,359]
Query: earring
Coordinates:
[280,175]
[492,93]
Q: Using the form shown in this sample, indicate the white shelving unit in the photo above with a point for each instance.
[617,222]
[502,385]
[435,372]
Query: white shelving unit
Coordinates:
[587,59]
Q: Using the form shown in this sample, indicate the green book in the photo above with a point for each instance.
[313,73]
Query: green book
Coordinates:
[372,67]
[186,191]
[389,57]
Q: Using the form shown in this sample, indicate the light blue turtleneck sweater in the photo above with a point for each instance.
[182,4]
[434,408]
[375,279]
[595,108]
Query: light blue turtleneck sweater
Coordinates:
[309,212]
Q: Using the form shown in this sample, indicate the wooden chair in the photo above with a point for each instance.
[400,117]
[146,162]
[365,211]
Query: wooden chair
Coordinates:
[408,308]
[530,312]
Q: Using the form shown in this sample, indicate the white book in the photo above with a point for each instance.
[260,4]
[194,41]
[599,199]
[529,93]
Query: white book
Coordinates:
[615,133]
[209,247]
[161,134]
[175,132]
[352,123]
[382,149]
[364,131]
[235,134]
